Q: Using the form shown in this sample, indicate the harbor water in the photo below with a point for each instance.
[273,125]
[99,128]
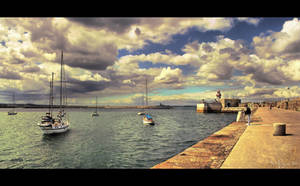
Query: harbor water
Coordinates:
[116,139]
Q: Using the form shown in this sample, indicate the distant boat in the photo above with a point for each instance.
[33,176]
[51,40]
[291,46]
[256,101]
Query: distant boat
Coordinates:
[141,113]
[95,114]
[13,112]
[50,125]
[147,119]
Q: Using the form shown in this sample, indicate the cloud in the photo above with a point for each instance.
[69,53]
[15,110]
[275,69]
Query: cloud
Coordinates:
[8,74]
[253,21]
[91,48]
[118,25]
[47,36]
[284,43]
[292,70]
[169,76]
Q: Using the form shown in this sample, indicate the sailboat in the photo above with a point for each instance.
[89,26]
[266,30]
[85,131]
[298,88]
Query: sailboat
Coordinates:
[49,124]
[95,113]
[13,112]
[147,119]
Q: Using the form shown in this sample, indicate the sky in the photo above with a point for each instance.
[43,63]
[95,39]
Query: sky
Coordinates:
[183,59]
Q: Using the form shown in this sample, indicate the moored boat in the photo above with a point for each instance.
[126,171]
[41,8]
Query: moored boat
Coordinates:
[147,119]
[50,125]
[141,113]
[95,113]
[12,112]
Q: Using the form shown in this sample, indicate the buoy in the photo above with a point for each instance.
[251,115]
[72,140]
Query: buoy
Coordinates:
[279,129]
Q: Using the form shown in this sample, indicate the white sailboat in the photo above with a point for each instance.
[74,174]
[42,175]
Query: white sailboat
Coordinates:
[95,114]
[13,112]
[50,125]
[147,119]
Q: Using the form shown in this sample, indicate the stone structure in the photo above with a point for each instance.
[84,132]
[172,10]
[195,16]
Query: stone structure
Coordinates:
[220,105]
[209,107]
[230,102]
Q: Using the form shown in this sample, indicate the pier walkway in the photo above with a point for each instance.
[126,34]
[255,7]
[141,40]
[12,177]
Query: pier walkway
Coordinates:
[258,148]
[238,146]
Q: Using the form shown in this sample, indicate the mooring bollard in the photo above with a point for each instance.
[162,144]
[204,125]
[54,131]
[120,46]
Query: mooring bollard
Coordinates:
[279,129]
[240,116]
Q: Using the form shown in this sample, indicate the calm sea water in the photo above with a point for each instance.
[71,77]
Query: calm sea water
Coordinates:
[115,139]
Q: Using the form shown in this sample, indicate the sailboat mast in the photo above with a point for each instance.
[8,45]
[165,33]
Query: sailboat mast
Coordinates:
[146,93]
[13,99]
[61,72]
[96,102]
[51,95]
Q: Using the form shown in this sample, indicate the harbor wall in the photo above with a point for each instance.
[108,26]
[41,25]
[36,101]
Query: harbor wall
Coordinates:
[217,108]
[209,107]
[209,153]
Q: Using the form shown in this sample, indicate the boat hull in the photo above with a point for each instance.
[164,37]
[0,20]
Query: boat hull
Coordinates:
[147,122]
[54,130]
[49,129]
[95,114]
[12,113]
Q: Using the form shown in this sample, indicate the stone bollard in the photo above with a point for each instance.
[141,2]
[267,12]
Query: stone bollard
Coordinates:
[279,129]
[240,117]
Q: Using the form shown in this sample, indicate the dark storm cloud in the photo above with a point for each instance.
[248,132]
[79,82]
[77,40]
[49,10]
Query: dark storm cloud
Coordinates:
[17,61]
[234,55]
[47,36]
[137,31]
[261,92]
[207,48]
[31,69]
[270,78]
[75,86]
[91,60]
[118,25]
[26,96]
[292,48]
[226,50]
[224,71]
[7,74]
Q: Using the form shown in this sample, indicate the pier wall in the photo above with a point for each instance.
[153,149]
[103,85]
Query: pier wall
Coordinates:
[217,107]
[209,153]
[209,107]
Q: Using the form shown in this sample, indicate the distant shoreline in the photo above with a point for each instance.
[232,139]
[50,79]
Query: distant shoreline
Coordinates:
[99,107]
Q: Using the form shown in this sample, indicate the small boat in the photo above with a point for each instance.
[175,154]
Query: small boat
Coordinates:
[50,125]
[141,113]
[148,120]
[13,112]
[95,114]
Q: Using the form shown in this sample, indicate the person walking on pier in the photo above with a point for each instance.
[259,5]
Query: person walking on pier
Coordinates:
[248,113]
